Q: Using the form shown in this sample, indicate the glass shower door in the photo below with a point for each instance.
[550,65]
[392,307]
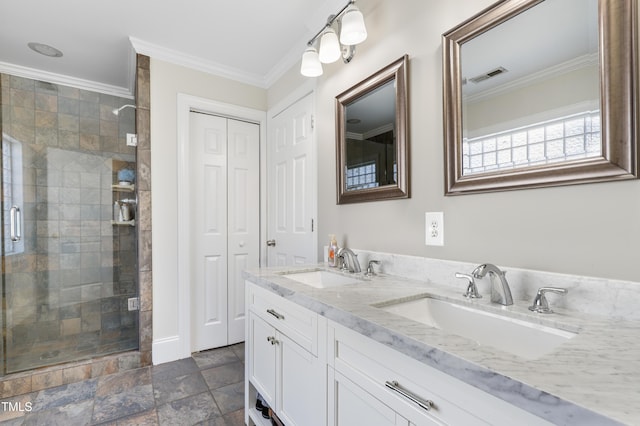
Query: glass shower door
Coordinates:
[68,271]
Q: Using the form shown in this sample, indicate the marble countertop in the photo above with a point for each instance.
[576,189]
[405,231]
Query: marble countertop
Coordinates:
[591,379]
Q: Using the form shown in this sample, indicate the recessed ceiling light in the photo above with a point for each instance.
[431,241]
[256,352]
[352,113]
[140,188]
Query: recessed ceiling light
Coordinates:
[45,50]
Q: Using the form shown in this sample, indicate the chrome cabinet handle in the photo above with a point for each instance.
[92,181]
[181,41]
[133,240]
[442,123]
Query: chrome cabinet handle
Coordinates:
[272,340]
[275,314]
[426,404]
[271,243]
[15,223]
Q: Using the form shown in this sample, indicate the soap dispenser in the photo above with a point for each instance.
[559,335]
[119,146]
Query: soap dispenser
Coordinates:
[333,250]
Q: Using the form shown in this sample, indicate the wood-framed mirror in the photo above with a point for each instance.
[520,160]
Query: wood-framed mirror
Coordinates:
[372,137]
[541,93]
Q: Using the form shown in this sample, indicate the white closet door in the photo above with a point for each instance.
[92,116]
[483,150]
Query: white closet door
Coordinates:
[225,222]
[291,184]
[208,152]
[243,217]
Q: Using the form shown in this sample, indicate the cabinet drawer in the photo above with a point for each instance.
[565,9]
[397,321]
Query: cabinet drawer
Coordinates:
[371,365]
[355,406]
[292,320]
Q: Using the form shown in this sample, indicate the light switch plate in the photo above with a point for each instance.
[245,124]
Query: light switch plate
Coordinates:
[133,303]
[434,227]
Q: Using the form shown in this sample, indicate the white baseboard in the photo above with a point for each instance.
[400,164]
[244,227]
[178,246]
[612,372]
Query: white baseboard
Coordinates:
[166,349]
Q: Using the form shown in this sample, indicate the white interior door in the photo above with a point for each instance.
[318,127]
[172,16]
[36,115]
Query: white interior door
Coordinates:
[208,151]
[243,243]
[291,186]
[224,217]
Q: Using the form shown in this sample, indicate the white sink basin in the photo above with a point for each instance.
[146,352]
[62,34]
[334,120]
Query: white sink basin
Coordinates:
[524,339]
[321,278]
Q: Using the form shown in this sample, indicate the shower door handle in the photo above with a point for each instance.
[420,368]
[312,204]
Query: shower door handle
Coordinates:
[15,223]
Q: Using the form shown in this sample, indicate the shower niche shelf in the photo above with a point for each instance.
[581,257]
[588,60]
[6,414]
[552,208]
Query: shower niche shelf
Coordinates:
[124,222]
[122,195]
[123,188]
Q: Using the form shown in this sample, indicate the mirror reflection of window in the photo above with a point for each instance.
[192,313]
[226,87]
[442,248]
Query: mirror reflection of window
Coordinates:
[541,93]
[362,176]
[565,139]
[529,100]
[371,138]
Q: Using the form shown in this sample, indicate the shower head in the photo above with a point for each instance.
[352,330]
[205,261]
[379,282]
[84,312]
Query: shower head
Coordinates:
[116,111]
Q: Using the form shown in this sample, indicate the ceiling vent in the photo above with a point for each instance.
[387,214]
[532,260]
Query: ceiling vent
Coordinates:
[488,75]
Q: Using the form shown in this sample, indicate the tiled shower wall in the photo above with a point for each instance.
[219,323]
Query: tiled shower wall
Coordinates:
[15,384]
[143,174]
[66,287]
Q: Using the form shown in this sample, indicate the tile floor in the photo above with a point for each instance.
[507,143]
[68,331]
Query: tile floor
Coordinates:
[206,389]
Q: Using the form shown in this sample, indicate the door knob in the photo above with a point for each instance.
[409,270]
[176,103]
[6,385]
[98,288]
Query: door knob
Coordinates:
[271,243]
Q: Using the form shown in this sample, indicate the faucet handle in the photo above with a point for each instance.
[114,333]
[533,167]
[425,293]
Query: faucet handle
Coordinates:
[370,271]
[540,303]
[472,290]
[344,263]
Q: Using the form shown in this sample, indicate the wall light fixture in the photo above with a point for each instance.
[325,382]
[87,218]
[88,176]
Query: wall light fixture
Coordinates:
[352,31]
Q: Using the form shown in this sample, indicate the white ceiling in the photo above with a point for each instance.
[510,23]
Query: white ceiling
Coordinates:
[253,41]
[551,34]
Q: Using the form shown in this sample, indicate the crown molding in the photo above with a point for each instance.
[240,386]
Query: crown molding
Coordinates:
[65,80]
[196,63]
[293,57]
[370,133]
[285,64]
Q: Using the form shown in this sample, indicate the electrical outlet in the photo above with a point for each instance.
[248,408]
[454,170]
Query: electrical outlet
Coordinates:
[133,303]
[132,139]
[434,226]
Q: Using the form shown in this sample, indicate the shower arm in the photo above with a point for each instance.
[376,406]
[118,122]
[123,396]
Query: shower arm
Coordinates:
[116,111]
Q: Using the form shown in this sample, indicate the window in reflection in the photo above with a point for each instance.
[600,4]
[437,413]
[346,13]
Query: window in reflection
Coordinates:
[564,139]
[362,176]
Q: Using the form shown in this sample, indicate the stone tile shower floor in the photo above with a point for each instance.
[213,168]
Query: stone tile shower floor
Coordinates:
[28,356]
[206,389]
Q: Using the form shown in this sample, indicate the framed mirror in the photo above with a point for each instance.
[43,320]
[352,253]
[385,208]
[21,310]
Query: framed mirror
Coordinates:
[371,137]
[541,93]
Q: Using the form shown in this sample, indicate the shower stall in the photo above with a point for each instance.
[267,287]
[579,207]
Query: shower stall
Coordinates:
[69,269]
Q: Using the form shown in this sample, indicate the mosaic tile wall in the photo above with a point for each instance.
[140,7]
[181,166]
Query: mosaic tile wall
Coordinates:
[67,285]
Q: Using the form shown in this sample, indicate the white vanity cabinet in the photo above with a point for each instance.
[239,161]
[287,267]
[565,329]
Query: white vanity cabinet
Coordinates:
[395,389]
[314,372]
[285,360]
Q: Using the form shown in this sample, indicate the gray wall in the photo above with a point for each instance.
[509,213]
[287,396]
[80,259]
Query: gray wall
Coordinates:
[587,229]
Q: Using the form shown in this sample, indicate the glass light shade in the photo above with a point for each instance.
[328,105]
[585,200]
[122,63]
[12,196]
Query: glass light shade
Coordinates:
[353,30]
[311,66]
[329,47]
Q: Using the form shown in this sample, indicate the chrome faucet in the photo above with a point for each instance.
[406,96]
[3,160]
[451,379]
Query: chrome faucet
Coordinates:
[540,303]
[349,260]
[499,293]
[472,290]
[370,272]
